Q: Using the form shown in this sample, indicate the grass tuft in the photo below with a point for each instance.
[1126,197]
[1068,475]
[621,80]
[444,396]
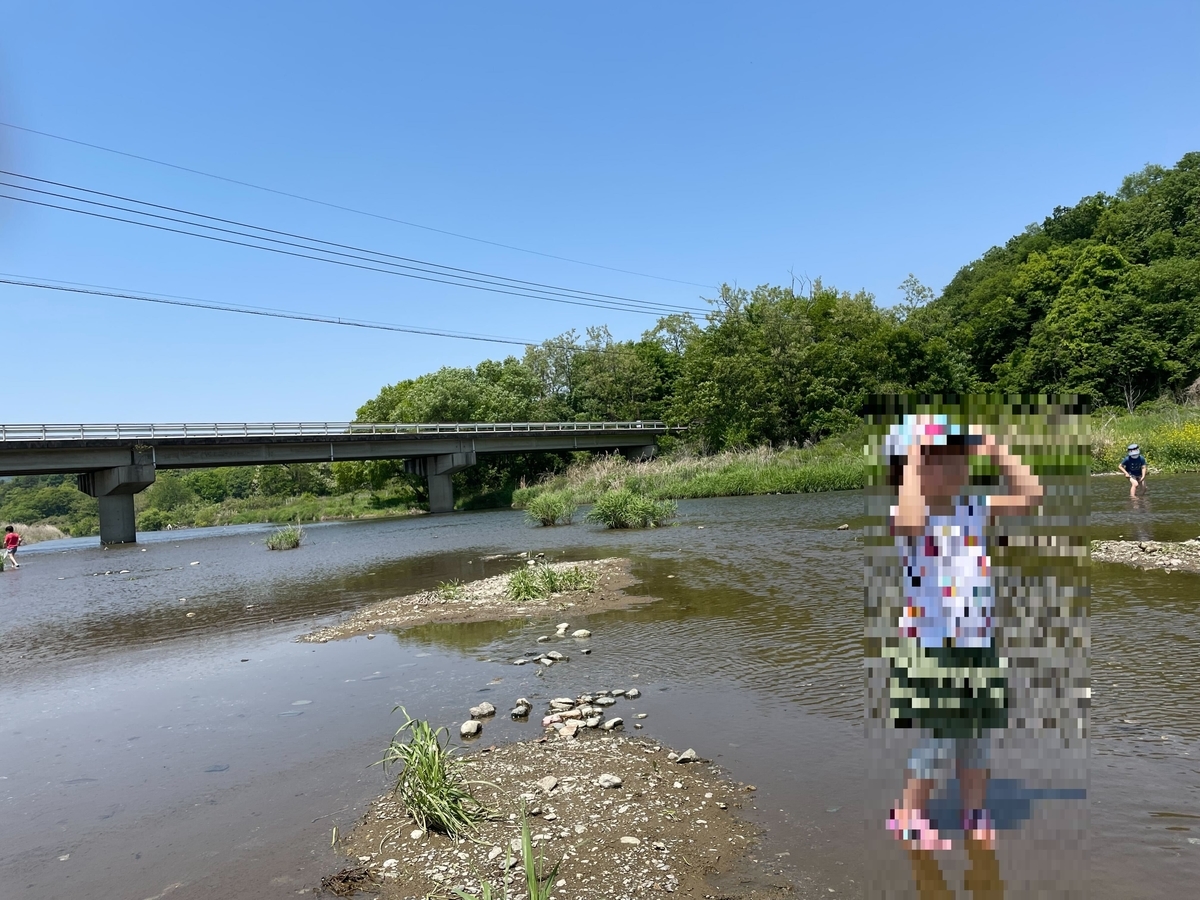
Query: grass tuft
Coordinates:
[430,783]
[450,590]
[286,538]
[540,581]
[551,508]
[626,509]
[32,534]
[538,886]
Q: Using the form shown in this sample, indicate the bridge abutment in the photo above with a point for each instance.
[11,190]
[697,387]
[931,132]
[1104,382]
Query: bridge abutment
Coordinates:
[437,471]
[114,489]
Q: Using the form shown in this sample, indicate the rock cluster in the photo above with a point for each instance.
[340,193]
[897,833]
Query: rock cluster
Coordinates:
[1182,556]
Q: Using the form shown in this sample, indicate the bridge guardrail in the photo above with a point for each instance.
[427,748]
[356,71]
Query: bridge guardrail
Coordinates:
[168,431]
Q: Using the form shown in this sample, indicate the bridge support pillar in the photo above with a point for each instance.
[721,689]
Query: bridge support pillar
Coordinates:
[639,454]
[437,471]
[114,490]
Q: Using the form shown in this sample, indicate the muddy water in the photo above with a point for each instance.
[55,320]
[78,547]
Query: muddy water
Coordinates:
[145,753]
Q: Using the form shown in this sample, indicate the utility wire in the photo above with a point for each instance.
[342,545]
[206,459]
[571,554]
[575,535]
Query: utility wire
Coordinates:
[349,209]
[543,295]
[265,312]
[406,262]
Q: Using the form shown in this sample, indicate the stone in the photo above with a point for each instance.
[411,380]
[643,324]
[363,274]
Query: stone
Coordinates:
[546,661]
[370,637]
[543,639]
[843,528]
[570,729]
[618,693]
[392,863]
[632,694]
[592,721]
[561,703]
[547,784]
[613,724]
[587,651]
[470,729]
[556,656]
[659,845]
[632,841]
[581,633]
[520,662]
[563,626]
[483,710]
[641,715]
[552,719]
[571,714]
[494,852]
[586,698]
[604,701]
[609,781]
[687,756]
[521,712]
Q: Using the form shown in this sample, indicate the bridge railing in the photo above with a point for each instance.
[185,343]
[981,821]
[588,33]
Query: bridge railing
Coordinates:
[175,431]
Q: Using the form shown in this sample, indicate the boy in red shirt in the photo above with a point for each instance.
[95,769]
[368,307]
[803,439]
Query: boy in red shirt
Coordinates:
[12,541]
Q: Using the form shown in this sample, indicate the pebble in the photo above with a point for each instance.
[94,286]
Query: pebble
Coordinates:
[191,615]
[582,633]
[613,724]
[843,528]
[687,756]
[546,661]
[521,712]
[587,651]
[392,863]
[494,852]
[543,639]
[563,626]
[630,840]
[417,833]
[556,656]
[520,662]
[370,637]
[618,693]
[641,715]
[632,694]
[569,730]
[483,710]
[547,784]
[470,729]
[609,781]
[592,721]
[604,701]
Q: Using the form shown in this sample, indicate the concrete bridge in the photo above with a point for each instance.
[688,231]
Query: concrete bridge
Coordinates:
[114,462]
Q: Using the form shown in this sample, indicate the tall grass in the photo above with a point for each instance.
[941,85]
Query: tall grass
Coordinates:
[540,581]
[430,783]
[286,538]
[836,464]
[626,509]
[551,508]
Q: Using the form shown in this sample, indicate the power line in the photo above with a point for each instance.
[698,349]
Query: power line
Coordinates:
[349,209]
[433,272]
[266,312]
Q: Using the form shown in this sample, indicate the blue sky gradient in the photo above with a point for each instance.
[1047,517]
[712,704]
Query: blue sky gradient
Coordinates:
[703,142]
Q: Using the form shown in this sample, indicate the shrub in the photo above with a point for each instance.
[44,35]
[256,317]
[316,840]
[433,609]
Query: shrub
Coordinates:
[625,509]
[153,520]
[430,783]
[286,538]
[540,581]
[551,508]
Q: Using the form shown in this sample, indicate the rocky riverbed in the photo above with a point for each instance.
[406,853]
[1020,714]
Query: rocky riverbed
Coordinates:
[621,818]
[487,600]
[1182,556]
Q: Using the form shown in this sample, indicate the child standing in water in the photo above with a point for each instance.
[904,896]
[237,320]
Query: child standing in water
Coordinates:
[12,541]
[946,675]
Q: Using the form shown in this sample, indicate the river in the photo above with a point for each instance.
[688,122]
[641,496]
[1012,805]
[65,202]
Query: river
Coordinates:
[149,753]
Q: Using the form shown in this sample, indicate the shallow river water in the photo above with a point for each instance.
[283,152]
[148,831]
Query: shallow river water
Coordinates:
[148,754]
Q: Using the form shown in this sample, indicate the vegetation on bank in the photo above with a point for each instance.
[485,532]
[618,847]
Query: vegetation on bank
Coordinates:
[626,509]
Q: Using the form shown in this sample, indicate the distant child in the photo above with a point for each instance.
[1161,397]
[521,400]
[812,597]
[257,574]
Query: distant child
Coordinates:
[12,541]
[1134,468]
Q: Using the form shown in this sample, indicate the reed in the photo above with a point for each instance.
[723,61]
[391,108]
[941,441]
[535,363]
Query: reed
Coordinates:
[627,509]
[551,508]
[286,538]
[538,886]
[430,783]
[33,534]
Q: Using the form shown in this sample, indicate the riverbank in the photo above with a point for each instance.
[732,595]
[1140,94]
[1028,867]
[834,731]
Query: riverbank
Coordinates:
[620,818]
[488,600]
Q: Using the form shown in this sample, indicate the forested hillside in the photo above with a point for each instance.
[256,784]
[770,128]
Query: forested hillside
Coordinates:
[1100,298]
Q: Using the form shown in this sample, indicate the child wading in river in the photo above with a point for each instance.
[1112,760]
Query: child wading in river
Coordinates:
[947,678]
[12,541]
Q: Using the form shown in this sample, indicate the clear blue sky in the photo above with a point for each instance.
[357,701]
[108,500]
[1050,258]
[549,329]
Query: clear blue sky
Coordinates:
[705,142]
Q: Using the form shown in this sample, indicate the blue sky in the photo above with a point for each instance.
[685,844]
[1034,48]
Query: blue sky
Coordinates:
[703,142]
